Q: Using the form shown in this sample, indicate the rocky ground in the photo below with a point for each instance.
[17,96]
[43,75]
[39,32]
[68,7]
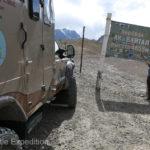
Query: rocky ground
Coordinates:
[117,120]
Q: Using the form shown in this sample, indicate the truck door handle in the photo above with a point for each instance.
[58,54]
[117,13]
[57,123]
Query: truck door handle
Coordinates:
[25,33]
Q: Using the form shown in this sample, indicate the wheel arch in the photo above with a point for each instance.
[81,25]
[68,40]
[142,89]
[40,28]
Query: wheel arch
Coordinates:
[11,110]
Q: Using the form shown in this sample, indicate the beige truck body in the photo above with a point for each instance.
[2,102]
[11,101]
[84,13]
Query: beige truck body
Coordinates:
[29,72]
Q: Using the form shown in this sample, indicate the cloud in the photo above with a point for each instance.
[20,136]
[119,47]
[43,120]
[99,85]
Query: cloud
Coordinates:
[131,11]
[69,23]
[95,31]
[74,14]
[77,2]
[77,14]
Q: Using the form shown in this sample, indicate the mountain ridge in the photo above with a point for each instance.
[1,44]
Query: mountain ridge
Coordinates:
[66,34]
[100,40]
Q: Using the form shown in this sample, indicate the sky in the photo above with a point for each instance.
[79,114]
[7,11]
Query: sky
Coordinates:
[74,14]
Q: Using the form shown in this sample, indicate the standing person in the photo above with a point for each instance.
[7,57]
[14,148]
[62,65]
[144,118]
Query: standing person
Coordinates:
[148,77]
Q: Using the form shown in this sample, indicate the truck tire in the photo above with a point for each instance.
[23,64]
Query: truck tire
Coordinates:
[69,95]
[9,140]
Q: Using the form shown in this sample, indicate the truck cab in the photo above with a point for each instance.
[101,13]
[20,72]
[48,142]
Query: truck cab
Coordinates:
[30,74]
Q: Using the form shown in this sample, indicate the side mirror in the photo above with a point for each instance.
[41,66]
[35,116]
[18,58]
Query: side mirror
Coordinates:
[70,51]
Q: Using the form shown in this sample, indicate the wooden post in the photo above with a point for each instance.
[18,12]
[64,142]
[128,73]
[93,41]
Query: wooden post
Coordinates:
[82,49]
[65,45]
[103,51]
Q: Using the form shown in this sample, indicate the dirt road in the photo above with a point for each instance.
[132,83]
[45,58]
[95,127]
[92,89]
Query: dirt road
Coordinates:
[120,120]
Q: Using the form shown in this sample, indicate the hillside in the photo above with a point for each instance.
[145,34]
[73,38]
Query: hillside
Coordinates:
[90,46]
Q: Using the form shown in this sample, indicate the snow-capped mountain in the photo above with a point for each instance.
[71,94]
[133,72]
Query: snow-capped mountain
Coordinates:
[65,34]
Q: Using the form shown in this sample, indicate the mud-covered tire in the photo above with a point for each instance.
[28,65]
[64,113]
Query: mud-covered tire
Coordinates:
[69,95]
[9,140]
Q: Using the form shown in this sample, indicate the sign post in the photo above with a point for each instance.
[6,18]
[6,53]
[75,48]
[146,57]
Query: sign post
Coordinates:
[103,51]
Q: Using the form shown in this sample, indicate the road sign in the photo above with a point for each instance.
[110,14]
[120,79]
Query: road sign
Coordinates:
[128,40]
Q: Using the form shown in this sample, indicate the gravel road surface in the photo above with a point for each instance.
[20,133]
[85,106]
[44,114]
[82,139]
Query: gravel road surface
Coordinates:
[117,118]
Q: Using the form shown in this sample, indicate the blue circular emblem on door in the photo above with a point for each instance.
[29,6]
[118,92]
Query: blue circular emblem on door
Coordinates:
[2,48]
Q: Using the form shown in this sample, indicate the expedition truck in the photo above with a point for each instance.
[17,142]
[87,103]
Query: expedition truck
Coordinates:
[31,72]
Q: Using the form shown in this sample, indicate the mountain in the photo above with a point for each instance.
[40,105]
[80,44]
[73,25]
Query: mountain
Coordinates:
[65,34]
[100,40]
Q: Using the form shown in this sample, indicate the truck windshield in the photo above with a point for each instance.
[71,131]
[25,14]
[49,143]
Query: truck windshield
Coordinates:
[48,12]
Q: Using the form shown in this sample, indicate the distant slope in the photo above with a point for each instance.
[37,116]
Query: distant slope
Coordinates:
[90,46]
[65,34]
[100,40]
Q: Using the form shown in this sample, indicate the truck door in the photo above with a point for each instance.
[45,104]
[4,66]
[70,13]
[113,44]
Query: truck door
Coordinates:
[48,42]
[33,23]
[11,53]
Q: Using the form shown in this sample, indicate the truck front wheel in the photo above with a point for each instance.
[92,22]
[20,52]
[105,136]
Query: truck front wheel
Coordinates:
[69,95]
[9,140]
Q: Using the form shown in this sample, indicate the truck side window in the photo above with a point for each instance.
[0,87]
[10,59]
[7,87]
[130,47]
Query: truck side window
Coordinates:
[48,12]
[34,9]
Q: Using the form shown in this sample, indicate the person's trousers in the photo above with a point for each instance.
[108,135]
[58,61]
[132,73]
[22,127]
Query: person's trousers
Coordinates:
[148,87]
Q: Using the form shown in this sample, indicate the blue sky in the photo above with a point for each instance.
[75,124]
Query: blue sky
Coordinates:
[74,14]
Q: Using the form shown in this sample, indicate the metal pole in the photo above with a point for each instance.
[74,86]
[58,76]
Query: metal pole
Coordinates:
[82,49]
